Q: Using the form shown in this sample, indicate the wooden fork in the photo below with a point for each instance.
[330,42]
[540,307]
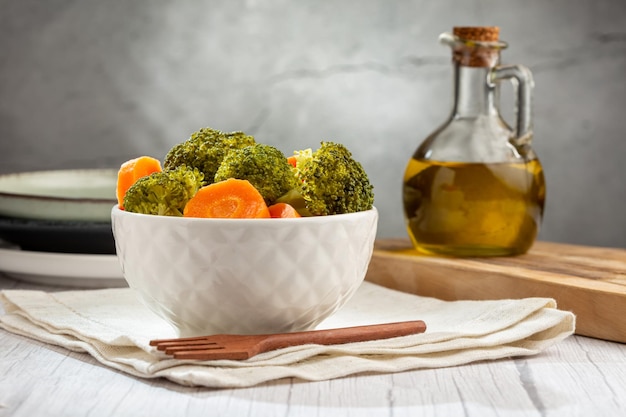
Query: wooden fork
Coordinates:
[239,347]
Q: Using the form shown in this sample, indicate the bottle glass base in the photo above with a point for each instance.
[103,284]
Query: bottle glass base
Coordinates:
[468,251]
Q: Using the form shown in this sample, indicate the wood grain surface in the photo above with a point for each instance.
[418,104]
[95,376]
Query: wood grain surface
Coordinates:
[589,281]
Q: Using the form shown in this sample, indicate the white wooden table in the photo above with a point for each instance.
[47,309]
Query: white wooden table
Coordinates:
[578,377]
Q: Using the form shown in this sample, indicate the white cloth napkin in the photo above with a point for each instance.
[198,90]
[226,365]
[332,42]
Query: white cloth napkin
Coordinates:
[115,328]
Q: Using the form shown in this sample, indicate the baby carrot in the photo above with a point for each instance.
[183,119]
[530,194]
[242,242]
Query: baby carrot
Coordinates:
[231,198]
[283,211]
[131,171]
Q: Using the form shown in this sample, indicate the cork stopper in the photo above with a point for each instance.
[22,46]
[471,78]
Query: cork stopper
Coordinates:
[477,33]
[476,46]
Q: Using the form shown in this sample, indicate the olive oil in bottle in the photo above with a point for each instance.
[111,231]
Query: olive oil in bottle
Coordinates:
[473,209]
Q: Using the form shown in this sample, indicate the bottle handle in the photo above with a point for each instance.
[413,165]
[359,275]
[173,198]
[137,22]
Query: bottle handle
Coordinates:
[523,82]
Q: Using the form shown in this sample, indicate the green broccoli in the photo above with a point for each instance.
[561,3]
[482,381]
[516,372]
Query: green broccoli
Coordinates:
[163,193]
[205,150]
[265,166]
[331,182]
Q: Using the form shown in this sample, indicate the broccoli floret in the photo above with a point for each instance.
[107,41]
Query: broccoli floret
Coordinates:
[265,166]
[163,193]
[205,150]
[331,182]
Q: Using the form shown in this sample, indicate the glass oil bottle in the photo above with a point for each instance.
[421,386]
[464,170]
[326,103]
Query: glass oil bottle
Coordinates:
[475,187]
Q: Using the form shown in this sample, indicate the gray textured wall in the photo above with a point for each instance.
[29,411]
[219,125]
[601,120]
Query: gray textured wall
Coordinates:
[92,83]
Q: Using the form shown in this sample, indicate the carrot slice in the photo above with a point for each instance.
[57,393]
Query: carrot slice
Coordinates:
[292,161]
[131,171]
[283,211]
[231,198]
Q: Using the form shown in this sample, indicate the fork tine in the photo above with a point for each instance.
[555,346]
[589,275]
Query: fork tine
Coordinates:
[161,345]
[156,342]
[214,354]
[183,348]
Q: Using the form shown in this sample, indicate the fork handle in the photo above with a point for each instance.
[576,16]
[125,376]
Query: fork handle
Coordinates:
[342,335]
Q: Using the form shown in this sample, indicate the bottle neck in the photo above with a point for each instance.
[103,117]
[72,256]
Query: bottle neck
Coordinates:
[474,96]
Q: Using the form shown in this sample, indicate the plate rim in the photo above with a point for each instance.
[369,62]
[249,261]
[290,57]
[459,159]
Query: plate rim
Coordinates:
[57,198]
[86,267]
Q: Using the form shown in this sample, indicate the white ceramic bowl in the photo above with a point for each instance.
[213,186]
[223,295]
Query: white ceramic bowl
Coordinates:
[244,276]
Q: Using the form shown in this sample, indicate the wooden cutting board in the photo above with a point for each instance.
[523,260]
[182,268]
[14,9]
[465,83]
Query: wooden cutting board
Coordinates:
[589,281]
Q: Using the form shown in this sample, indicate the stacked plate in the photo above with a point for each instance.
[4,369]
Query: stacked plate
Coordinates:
[55,227]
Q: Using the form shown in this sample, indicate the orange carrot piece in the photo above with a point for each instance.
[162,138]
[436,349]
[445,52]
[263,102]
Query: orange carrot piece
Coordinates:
[292,161]
[231,198]
[131,171]
[283,211]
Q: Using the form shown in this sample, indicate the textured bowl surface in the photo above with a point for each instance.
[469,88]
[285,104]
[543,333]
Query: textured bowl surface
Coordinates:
[245,276]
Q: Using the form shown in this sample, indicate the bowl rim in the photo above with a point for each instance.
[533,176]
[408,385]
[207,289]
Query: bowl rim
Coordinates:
[308,219]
